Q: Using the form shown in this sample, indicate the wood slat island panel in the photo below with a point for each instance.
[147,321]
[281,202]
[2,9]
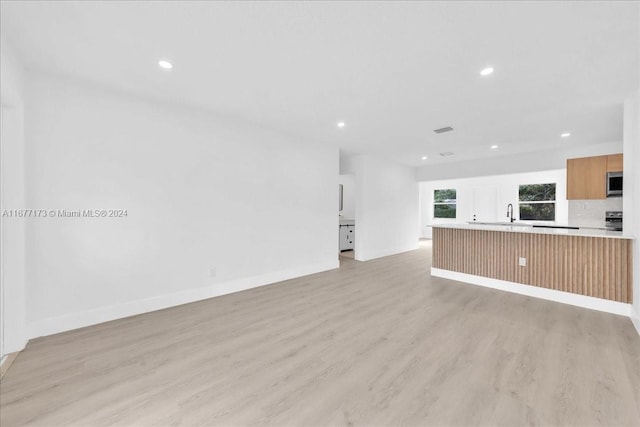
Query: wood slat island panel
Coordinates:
[592,266]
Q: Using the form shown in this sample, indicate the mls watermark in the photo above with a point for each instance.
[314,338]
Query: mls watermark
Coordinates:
[65,213]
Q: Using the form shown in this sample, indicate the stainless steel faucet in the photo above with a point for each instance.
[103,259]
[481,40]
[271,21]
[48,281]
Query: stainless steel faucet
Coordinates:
[510,212]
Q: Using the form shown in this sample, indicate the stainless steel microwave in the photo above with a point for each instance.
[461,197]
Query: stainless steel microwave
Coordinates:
[614,184]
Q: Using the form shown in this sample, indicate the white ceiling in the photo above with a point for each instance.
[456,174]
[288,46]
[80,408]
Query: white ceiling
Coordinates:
[393,71]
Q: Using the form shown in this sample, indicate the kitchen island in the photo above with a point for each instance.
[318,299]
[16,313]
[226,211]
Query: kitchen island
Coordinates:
[590,268]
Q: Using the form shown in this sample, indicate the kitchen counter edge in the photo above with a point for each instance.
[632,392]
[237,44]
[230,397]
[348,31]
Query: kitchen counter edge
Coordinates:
[534,230]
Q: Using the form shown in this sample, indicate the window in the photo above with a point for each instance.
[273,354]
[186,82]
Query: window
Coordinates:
[538,202]
[444,203]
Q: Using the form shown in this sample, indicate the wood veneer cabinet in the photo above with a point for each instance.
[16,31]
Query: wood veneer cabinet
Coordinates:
[614,163]
[586,176]
[598,267]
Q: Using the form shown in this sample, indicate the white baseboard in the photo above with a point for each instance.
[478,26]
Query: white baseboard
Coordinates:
[635,319]
[381,254]
[17,343]
[54,325]
[592,303]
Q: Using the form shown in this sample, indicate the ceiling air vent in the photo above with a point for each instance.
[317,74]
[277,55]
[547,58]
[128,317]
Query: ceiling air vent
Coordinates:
[443,130]
[446,153]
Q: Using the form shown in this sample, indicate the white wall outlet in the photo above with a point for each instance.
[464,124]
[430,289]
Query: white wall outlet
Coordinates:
[212,272]
[522,262]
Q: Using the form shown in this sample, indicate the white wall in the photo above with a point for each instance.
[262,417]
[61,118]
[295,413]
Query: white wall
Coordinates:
[201,194]
[13,334]
[631,202]
[386,209]
[506,190]
[348,196]
[526,162]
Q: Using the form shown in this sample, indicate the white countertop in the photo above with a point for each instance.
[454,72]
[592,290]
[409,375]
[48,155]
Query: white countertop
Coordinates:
[584,232]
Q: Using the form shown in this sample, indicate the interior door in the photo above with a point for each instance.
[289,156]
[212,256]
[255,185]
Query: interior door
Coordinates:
[484,204]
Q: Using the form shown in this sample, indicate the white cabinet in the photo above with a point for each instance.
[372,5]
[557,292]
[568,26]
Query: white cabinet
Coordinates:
[347,237]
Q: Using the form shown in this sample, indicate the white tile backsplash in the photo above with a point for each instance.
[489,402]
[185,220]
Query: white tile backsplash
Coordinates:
[590,213]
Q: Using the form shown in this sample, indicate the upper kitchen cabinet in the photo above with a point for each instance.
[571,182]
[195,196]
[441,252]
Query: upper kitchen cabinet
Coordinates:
[587,176]
[614,163]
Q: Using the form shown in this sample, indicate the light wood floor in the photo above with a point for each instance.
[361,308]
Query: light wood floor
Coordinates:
[375,343]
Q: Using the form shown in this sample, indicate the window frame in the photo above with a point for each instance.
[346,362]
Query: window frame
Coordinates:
[539,202]
[455,203]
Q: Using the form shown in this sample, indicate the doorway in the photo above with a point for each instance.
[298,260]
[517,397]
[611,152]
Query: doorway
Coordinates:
[346,215]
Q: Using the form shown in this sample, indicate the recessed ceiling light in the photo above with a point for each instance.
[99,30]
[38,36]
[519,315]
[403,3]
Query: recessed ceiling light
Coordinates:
[565,135]
[493,147]
[341,124]
[424,157]
[486,71]
[163,63]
